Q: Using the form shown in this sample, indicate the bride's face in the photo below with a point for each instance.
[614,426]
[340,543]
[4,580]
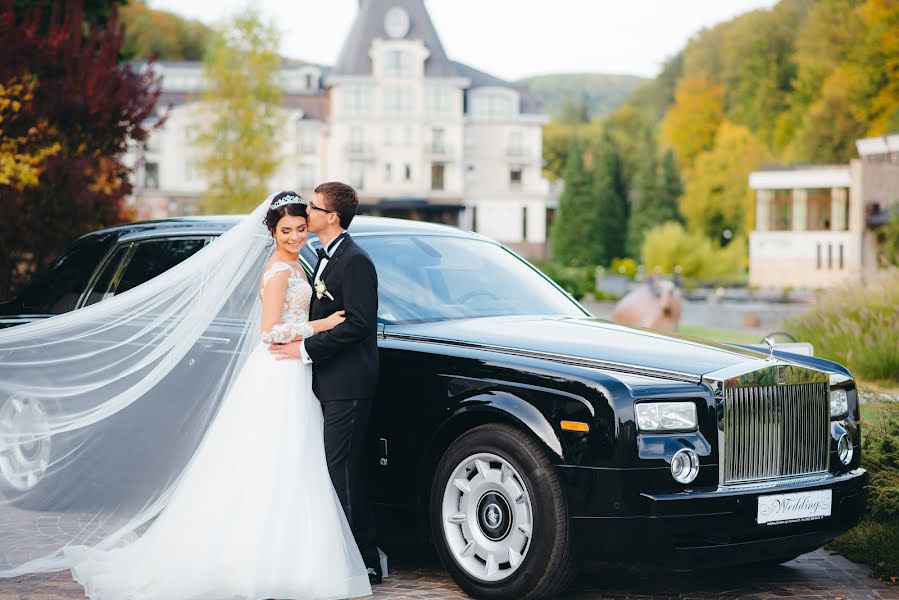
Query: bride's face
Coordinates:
[290,234]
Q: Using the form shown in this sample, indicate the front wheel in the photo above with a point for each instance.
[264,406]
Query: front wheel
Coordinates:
[499,517]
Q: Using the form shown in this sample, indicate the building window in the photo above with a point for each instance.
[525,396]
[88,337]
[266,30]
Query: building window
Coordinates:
[190,169]
[474,218]
[408,172]
[307,141]
[356,140]
[818,256]
[438,100]
[151,176]
[818,205]
[780,217]
[307,177]
[830,256]
[356,100]
[437,171]
[310,81]
[388,171]
[524,223]
[357,174]
[438,142]
[494,106]
[516,143]
[515,175]
[398,101]
[470,171]
[840,256]
[397,64]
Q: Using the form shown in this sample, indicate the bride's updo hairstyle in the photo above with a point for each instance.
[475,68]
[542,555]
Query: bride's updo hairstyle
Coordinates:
[284,203]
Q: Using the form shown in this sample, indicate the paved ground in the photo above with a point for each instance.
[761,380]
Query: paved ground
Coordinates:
[815,576]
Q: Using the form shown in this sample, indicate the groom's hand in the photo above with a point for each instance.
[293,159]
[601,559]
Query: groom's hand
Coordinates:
[285,351]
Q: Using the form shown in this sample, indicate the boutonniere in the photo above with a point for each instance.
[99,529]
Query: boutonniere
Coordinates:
[321,290]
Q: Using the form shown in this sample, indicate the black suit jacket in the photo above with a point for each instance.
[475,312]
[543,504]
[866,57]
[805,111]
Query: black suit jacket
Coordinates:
[345,359]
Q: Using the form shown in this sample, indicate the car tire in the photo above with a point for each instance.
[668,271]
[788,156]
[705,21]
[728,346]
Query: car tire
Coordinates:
[499,517]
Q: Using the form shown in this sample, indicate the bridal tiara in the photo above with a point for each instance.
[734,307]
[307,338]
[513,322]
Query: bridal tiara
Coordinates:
[289,199]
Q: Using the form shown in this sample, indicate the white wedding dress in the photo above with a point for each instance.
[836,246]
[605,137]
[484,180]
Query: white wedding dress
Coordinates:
[254,515]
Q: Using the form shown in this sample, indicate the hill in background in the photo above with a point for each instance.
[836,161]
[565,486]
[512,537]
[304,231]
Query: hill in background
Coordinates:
[600,93]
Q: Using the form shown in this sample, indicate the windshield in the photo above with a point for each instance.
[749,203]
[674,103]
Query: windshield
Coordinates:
[431,278]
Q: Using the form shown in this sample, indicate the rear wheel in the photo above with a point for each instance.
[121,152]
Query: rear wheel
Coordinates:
[499,517]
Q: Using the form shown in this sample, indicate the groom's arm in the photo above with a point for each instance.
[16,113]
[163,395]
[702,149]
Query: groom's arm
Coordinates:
[360,301]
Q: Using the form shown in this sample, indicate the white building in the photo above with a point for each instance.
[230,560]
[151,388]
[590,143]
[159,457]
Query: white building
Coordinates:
[817,225]
[418,135]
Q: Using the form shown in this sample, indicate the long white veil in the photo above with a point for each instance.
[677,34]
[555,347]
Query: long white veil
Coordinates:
[101,408]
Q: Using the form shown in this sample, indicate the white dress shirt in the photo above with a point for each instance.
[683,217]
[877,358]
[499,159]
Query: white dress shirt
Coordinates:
[321,267]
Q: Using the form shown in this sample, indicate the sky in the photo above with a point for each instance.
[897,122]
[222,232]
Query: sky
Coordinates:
[507,38]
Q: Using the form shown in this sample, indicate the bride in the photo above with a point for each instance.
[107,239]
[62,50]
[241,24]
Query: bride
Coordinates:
[253,513]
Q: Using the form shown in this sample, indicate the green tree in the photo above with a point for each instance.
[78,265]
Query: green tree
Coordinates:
[575,231]
[672,187]
[240,146]
[153,33]
[609,192]
[717,198]
[557,138]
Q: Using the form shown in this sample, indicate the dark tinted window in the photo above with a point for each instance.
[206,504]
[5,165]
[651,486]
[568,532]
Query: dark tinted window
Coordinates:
[57,289]
[430,278]
[154,257]
[106,282]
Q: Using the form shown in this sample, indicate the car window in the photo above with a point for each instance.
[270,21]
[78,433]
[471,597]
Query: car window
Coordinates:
[104,287]
[431,278]
[154,257]
[57,289]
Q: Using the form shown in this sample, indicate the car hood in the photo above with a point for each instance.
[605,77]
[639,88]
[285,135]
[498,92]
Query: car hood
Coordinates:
[586,338]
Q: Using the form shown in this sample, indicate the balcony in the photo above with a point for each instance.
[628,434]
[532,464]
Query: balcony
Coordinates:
[360,151]
[440,151]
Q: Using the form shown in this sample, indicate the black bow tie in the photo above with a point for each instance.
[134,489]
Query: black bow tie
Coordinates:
[322,254]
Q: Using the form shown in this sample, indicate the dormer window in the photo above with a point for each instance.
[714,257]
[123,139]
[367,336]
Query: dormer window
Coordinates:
[397,63]
[494,103]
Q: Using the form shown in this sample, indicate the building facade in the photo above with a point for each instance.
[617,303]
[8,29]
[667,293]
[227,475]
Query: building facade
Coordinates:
[818,225]
[418,135]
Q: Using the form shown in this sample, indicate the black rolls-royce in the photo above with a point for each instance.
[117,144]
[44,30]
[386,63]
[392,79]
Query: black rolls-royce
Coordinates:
[521,435]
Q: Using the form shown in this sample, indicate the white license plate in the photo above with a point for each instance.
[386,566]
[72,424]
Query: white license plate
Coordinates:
[790,508]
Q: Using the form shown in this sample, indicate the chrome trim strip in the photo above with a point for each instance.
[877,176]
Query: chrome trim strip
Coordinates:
[563,358]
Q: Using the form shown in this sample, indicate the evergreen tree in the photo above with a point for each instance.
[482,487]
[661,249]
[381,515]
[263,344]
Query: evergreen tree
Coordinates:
[575,232]
[671,188]
[608,186]
[645,193]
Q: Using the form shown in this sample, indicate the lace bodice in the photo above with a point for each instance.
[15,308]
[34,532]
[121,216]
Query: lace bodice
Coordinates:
[294,323]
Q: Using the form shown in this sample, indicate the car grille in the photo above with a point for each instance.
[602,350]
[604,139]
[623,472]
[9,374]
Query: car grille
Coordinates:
[775,431]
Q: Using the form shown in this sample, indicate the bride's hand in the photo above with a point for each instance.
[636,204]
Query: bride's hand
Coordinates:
[334,320]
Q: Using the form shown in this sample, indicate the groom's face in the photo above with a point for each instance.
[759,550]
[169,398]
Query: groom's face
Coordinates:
[320,214]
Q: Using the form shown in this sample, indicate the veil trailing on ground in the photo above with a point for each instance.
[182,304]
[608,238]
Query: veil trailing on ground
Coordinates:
[102,408]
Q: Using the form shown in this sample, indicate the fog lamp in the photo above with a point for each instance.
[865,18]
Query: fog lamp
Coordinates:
[845,449]
[839,403]
[684,465]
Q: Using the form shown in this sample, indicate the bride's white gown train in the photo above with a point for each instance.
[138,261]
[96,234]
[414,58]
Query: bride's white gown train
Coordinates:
[254,514]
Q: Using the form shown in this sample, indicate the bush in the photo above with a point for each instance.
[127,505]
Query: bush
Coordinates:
[858,326]
[875,540]
[670,249]
[577,281]
[623,266]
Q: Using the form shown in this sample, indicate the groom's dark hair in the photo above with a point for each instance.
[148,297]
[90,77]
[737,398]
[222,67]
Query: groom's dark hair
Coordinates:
[342,199]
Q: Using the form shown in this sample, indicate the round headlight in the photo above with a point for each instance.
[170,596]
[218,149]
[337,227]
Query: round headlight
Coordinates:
[684,465]
[845,449]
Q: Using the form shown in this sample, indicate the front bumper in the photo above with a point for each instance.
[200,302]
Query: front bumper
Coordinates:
[705,527]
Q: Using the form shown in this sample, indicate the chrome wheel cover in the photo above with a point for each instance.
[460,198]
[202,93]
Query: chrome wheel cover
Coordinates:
[23,458]
[487,517]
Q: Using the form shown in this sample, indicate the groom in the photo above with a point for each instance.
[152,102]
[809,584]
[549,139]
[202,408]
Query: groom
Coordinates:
[344,359]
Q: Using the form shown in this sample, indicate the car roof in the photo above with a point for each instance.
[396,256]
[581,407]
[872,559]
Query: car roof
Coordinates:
[361,225]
